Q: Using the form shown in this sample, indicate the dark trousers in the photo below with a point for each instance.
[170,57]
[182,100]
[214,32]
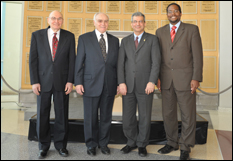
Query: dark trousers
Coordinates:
[187,104]
[98,132]
[137,133]
[61,101]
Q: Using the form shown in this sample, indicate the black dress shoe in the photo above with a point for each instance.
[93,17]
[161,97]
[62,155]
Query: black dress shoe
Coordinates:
[167,149]
[63,152]
[142,151]
[91,151]
[184,155]
[128,149]
[105,150]
[42,154]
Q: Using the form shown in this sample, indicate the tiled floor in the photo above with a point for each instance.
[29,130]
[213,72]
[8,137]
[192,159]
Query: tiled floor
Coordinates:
[14,131]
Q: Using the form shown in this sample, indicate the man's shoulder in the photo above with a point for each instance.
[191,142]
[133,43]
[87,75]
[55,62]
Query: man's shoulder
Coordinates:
[162,28]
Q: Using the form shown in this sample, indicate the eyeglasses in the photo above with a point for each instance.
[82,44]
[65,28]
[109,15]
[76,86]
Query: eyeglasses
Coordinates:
[135,22]
[175,11]
[54,18]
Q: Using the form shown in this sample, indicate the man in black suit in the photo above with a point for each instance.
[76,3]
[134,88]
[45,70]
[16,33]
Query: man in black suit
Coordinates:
[96,80]
[51,63]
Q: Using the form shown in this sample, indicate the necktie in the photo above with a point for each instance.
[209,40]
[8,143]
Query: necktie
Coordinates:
[103,46]
[136,42]
[173,33]
[55,43]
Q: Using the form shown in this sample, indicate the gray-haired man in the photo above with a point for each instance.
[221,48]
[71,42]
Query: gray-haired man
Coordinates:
[96,79]
[138,71]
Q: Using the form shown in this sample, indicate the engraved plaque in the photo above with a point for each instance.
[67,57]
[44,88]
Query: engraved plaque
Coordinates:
[194,22]
[89,25]
[53,5]
[208,34]
[75,26]
[189,7]
[208,7]
[92,6]
[114,25]
[35,5]
[151,26]
[127,25]
[113,7]
[151,7]
[130,7]
[75,6]
[33,24]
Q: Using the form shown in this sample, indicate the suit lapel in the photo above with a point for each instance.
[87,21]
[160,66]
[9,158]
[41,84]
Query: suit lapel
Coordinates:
[167,34]
[142,41]
[95,43]
[178,34]
[61,43]
[45,40]
[109,46]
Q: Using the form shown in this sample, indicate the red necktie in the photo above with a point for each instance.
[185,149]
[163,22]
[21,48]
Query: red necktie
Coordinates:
[55,43]
[173,33]
[136,42]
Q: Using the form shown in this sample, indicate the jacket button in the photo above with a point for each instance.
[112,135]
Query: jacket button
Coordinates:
[172,48]
[171,58]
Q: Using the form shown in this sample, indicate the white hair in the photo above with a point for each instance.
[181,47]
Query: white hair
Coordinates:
[98,14]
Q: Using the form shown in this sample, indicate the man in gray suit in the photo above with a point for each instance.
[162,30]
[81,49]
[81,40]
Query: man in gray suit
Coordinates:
[181,72]
[138,71]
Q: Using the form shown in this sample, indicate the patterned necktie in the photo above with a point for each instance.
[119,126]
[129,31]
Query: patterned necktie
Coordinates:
[55,43]
[173,33]
[136,42]
[103,46]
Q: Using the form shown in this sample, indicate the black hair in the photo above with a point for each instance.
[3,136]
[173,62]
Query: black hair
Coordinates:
[174,4]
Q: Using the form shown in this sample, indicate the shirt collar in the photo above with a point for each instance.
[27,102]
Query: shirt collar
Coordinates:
[139,37]
[51,33]
[98,33]
[177,25]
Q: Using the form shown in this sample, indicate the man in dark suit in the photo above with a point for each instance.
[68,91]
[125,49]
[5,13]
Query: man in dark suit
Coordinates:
[181,71]
[138,71]
[51,63]
[96,80]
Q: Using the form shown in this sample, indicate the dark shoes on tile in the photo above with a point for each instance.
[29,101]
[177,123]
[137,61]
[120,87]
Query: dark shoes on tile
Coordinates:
[127,149]
[91,151]
[105,150]
[63,152]
[184,155]
[167,149]
[42,154]
[142,151]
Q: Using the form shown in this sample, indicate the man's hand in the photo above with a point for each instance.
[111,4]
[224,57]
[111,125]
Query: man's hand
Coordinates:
[36,88]
[150,88]
[194,85]
[118,90]
[123,89]
[79,89]
[68,88]
[159,85]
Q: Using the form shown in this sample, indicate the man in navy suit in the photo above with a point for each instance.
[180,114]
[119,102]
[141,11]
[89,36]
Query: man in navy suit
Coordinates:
[96,80]
[51,64]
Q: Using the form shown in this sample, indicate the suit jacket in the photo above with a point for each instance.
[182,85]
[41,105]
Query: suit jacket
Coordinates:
[90,68]
[139,66]
[182,60]
[43,69]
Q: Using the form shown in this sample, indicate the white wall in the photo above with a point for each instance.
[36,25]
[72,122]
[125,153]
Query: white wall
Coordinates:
[12,46]
[225,53]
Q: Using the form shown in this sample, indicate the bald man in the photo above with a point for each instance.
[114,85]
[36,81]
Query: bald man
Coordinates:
[51,64]
[96,80]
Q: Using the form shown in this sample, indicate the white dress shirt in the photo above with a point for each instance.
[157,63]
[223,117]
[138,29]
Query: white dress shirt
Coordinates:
[105,38]
[50,38]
